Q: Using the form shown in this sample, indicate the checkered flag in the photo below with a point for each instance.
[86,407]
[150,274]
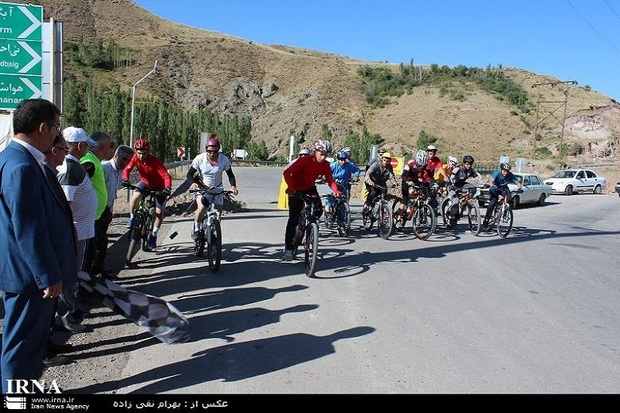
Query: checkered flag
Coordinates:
[153,314]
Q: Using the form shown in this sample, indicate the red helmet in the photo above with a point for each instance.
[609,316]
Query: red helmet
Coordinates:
[213,141]
[142,145]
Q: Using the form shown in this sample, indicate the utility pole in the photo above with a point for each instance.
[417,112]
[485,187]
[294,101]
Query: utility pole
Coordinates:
[550,112]
[133,103]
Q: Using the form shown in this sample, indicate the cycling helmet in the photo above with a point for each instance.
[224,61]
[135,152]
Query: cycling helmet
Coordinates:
[421,157]
[213,141]
[342,155]
[386,155]
[505,166]
[347,150]
[323,146]
[468,159]
[452,159]
[305,152]
[142,145]
[431,148]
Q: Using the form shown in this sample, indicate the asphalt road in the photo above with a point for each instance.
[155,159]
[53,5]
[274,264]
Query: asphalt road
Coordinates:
[535,313]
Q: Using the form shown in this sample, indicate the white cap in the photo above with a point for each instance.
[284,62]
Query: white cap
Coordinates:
[74,135]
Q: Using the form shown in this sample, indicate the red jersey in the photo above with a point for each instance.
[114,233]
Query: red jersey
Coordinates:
[413,172]
[434,163]
[152,172]
[302,174]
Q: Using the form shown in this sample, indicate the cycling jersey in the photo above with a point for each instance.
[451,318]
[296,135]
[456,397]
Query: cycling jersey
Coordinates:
[211,173]
[152,172]
[412,172]
[343,172]
[460,175]
[302,174]
[503,181]
[434,163]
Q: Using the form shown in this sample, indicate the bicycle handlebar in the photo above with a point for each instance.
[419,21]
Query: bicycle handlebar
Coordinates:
[147,191]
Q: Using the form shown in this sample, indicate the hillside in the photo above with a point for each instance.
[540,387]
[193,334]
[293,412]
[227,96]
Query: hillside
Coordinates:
[286,89]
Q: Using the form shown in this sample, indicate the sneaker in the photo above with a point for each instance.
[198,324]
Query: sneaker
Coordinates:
[53,348]
[51,361]
[288,255]
[152,241]
[129,222]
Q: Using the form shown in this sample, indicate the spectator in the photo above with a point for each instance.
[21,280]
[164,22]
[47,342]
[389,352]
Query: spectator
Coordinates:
[82,197]
[36,242]
[91,162]
[112,172]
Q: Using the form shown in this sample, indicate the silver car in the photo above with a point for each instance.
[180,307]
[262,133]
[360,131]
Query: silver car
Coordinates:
[534,191]
[571,181]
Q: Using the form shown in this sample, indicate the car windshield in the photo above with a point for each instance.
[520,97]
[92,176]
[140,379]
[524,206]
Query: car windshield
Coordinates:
[564,174]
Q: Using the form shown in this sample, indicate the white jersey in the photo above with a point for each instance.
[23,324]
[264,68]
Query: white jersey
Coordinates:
[211,174]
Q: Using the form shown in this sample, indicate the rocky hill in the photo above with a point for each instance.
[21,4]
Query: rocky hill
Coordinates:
[291,90]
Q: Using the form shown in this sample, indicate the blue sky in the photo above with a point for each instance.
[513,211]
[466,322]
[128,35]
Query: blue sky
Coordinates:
[571,40]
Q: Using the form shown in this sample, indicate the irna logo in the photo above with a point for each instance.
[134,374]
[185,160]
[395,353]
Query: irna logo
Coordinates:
[21,386]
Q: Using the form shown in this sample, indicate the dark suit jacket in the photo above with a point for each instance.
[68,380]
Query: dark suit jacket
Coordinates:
[36,242]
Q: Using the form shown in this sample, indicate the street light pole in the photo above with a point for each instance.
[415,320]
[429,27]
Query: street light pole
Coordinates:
[133,103]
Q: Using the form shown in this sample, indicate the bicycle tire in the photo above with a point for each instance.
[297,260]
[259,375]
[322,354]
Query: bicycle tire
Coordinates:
[445,206]
[385,223]
[311,248]
[473,218]
[504,221]
[367,219]
[135,239]
[398,217]
[146,230]
[344,225]
[214,247]
[199,243]
[424,222]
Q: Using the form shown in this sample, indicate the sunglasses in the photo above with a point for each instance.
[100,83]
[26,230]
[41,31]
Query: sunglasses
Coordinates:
[208,151]
[63,148]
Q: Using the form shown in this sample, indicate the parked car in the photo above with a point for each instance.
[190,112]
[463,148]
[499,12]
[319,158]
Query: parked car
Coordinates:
[617,188]
[570,181]
[534,191]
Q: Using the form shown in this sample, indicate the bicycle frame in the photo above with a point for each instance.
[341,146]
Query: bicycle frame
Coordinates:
[142,224]
[380,211]
[307,234]
[418,211]
[502,216]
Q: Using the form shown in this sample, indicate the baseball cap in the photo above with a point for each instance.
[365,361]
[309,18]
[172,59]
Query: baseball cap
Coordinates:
[75,135]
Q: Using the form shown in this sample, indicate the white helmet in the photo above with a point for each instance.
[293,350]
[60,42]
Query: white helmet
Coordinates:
[305,152]
[452,159]
[431,148]
[421,157]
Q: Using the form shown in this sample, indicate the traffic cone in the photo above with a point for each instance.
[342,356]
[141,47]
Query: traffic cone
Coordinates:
[282,196]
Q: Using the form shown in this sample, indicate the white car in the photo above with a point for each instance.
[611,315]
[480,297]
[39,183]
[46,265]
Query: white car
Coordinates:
[571,181]
[534,191]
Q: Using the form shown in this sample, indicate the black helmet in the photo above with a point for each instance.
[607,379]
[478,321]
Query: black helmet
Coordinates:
[468,159]
[504,166]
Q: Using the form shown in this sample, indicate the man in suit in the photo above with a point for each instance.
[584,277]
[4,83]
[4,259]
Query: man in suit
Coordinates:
[36,243]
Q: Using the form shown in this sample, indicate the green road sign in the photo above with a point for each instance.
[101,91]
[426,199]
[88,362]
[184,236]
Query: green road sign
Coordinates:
[20,57]
[14,89]
[20,21]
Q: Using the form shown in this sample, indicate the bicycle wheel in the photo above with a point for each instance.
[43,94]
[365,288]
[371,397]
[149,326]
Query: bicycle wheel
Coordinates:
[199,243]
[473,218]
[214,249]
[445,212]
[344,219]
[385,222]
[135,238]
[397,215]
[312,248]
[504,221]
[147,229]
[424,222]
[368,219]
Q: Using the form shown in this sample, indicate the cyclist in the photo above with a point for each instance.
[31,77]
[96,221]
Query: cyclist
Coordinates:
[498,185]
[459,177]
[206,171]
[434,163]
[416,172]
[342,170]
[153,176]
[378,174]
[443,173]
[300,176]
[304,152]
[377,158]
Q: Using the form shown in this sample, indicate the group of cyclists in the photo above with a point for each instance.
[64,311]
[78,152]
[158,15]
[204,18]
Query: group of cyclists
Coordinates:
[301,176]
[426,168]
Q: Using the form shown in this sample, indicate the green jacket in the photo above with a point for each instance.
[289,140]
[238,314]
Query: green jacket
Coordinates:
[98,180]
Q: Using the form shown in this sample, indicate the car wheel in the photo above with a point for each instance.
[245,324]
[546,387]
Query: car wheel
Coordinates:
[568,190]
[541,200]
[597,189]
[514,203]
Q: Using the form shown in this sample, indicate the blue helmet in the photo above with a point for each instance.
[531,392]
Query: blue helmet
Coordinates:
[342,155]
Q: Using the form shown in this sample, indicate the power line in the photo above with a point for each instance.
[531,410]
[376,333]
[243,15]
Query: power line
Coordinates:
[592,27]
[612,9]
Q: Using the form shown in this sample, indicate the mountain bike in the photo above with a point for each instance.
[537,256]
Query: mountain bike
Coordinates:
[340,213]
[467,198]
[417,210]
[141,223]
[307,233]
[380,212]
[502,217]
[210,233]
